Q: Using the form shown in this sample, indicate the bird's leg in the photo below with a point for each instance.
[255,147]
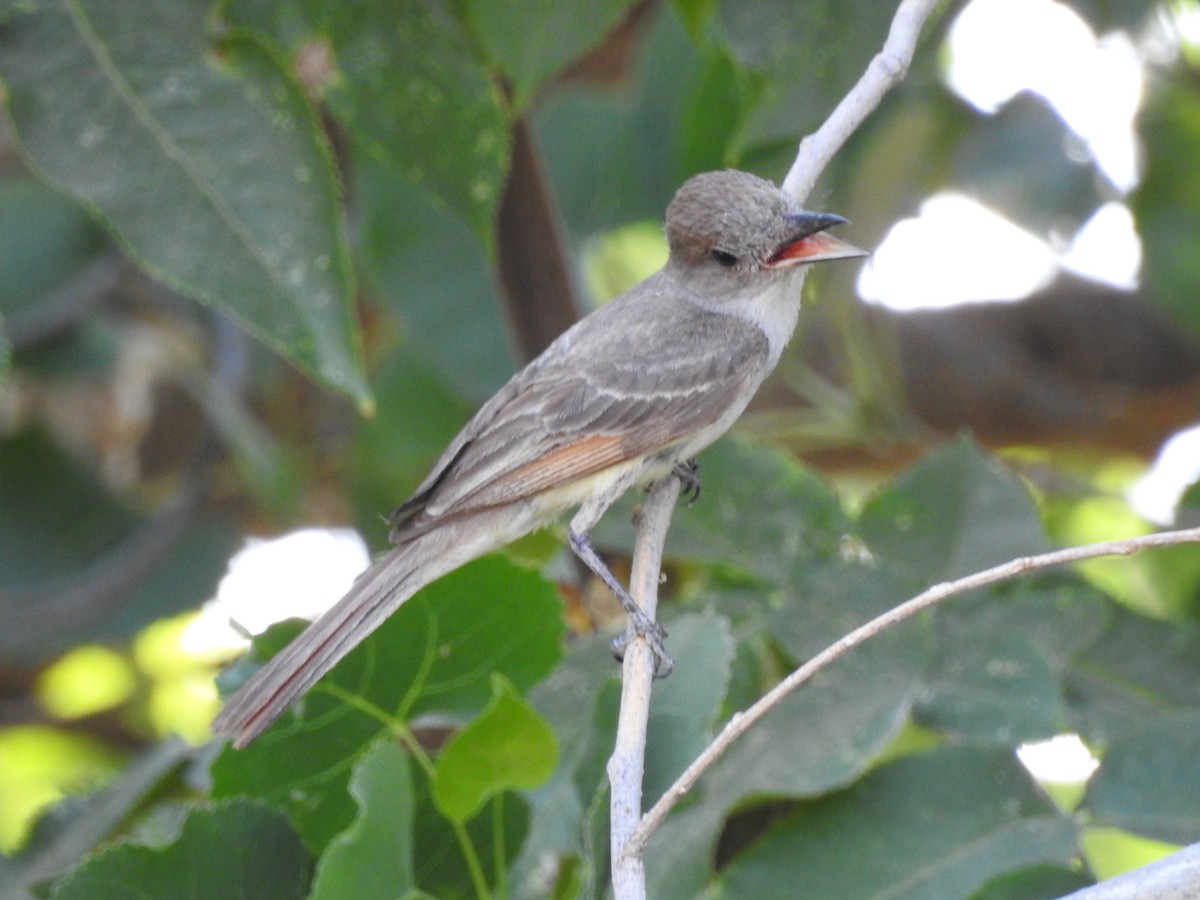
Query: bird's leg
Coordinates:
[688,473]
[640,624]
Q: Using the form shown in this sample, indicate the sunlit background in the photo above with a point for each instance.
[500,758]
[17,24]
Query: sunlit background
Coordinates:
[998,48]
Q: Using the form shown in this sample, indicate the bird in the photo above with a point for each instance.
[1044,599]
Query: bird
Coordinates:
[626,396]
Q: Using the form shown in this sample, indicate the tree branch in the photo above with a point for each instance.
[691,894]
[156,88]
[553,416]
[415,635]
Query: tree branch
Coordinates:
[740,722]
[627,764]
[886,70]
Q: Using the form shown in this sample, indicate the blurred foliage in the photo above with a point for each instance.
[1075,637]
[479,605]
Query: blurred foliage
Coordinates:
[324,176]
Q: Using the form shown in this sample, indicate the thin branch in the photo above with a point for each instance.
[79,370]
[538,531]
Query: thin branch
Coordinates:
[934,595]
[886,70]
[626,766]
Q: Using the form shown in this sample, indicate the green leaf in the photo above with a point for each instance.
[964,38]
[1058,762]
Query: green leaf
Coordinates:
[47,533]
[435,655]
[998,689]
[1149,780]
[995,677]
[1167,202]
[581,701]
[57,545]
[430,272]
[828,732]
[45,239]
[406,82]
[373,858]
[684,710]
[496,834]
[817,739]
[1138,669]
[209,167]
[576,699]
[808,56]
[616,157]
[939,824]
[955,512]
[508,746]
[531,41]
[236,850]
[414,91]
[1044,882]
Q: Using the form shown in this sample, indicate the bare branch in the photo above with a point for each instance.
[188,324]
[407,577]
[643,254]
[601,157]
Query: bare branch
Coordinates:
[934,595]
[626,766]
[886,70]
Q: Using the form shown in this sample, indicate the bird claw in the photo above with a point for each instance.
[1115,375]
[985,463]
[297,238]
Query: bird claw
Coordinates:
[644,627]
[688,473]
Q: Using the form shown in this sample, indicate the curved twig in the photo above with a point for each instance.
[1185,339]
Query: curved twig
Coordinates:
[886,70]
[740,722]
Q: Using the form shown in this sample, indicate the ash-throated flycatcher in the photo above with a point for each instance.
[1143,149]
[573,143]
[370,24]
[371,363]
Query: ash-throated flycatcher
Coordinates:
[620,399]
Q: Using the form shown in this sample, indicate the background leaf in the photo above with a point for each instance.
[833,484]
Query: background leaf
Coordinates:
[260,857]
[110,125]
[978,815]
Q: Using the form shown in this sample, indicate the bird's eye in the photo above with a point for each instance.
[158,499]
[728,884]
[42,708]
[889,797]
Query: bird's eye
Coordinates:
[724,257]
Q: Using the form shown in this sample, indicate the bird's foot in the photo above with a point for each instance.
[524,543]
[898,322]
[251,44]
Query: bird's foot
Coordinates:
[688,473]
[640,624]
[643,626]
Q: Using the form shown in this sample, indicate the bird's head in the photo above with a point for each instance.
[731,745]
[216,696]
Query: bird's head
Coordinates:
[729,227]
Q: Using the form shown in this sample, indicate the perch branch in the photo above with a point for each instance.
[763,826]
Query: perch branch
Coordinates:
[886,70]
[626,766]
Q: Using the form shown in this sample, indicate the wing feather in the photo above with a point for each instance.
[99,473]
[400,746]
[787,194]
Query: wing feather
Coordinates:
[595,399]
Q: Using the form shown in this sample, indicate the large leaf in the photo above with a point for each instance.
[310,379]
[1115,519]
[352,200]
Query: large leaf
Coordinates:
[205,161]
[808,55]
[238,850]
[1149,780]
[955,512]
[996,674]
[617,157]
[45,238]
[429,269]
[76,564]
[533,40]
[935,825]
[1016,161]
[580,701]
[408,83]
[415,91]
[1138,669]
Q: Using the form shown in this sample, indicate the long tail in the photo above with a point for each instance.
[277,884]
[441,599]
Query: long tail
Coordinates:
[375,596]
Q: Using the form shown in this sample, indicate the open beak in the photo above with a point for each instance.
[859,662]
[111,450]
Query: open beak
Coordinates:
[809,243]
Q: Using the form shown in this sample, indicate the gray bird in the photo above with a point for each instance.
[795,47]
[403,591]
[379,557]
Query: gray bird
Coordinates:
[624,397]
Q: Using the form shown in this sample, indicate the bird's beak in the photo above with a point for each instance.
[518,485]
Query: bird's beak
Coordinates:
[809,243]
